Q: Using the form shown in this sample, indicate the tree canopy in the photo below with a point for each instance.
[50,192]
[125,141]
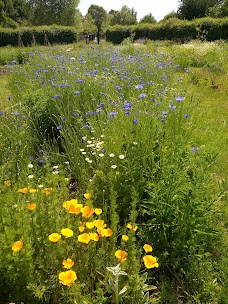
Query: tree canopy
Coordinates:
[191,9]
[126,16]
[148,19]
[98,14]
[46,12]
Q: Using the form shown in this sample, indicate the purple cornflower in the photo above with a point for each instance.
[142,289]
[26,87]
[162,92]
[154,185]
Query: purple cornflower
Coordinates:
[112,113]
[59,127]
[135,121]
[172,106]
[186,115]
[31,157]
[195,149]
[179,98]
[139,87]
[76,93]
[142,95]
[75,114]
[57,96]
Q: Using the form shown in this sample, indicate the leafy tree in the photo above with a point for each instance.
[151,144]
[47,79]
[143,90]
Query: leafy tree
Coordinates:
[46,12]
[219,10]
[98,14]
[89,25]
[190,9]
[126,16]
[13,12]
[170,15]
[148,19]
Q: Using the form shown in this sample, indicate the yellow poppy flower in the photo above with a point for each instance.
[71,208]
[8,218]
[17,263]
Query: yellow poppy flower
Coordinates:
[81,228]
[17,246]
[147,248]
[7,183]
[67,277]
[88,195]
[68,263]
[90,225]
[150,261]
[54,237]
[125,238]
[32,191]
[132,227]
[72,206]
[84,238]
[47,191]
[87,211]
[31,206]
[67,232]
[94,236]
[99,224]
[121,255]
[98,211]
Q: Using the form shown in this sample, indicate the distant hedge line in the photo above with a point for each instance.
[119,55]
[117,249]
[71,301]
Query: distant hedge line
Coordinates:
[41,35]
[209,29]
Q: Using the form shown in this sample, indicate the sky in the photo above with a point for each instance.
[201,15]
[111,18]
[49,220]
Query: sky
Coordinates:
[158,8]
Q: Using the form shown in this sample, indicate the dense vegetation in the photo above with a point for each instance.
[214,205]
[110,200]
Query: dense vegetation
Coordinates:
[105,156]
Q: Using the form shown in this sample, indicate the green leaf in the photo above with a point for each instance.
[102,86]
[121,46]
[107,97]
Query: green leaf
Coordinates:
[123,290]
[145,299]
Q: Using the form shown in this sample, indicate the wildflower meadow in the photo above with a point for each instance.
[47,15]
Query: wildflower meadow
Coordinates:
[108,189]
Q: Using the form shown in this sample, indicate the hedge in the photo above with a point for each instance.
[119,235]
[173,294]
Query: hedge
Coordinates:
[172,29]
[41,35]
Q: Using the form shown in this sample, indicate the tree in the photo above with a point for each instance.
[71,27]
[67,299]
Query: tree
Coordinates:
[13,12]
[219,10]
[190,9]
[98,14]
[170,15]
[126,16]
[89,25]
[46,12]
[148,19]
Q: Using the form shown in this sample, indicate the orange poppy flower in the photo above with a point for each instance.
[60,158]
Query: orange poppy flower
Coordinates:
[7,183]
[147,248]
[17,246]
[31,206]
[121,255]
[87,211]
[150,261]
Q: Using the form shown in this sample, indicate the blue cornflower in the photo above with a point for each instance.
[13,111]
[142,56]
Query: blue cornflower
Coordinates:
[135,121]
[59,127]
[139,87]
[195,149]
[112,113]
[142,95]
[76,93]
[179,98]
[186,115]
[57,96]
[75,114]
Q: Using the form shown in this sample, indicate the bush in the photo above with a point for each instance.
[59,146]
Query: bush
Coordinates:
[173,29]
[41,35]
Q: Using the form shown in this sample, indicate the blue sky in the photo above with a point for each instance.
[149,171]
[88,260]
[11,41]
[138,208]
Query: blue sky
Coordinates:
[158,8]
